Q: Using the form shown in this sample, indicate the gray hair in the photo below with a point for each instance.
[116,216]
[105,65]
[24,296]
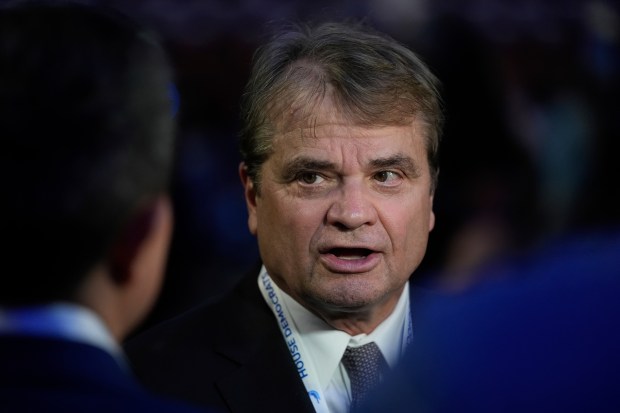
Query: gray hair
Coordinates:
[372,79]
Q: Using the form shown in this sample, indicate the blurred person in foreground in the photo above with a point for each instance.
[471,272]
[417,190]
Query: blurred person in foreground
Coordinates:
[339,147]
[87,143]
[541,335]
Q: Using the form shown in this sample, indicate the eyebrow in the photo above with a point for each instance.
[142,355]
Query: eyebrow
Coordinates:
[292,168]
[398,161]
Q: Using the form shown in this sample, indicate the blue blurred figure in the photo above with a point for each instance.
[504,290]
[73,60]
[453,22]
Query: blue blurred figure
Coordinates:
[542,336]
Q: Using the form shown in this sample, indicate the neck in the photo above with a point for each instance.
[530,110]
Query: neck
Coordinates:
[98,293]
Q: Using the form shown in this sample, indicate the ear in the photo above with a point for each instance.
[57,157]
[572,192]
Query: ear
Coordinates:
[135,267]
[249,190]
[142,245]
[431,220]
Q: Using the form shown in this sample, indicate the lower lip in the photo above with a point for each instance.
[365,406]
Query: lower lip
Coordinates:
[343,266]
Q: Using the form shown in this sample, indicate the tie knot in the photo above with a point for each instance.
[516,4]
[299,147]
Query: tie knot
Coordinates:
[365,366]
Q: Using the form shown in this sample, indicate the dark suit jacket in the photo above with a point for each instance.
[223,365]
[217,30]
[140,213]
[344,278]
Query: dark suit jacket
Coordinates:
[229,355]
[55,375]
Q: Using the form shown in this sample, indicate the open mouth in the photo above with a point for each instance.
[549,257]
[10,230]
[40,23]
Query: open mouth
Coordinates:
[350,253]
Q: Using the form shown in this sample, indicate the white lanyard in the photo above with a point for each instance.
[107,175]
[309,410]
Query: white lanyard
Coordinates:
[304,364]
[409,336]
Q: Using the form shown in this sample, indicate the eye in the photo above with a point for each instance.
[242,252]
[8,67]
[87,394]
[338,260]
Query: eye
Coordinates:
[309,178]
[386,176]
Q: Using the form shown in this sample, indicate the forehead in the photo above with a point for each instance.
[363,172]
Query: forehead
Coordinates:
[331,136]
[326,131]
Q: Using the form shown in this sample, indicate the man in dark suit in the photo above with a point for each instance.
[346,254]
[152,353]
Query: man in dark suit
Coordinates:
[87,135]
[540,336]
[339,146]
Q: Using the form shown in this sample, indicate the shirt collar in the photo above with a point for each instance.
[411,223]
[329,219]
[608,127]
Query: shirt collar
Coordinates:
[59,320]
[326,345]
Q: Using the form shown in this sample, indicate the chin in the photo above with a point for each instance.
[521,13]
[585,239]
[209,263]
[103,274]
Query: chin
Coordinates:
[351,298]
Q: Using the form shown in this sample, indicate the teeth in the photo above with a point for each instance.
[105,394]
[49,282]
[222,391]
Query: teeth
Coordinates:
[351,257]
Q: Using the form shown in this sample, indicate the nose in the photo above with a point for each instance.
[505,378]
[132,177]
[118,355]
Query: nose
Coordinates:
[352,207]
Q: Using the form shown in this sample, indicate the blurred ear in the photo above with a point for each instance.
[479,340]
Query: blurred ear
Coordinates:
[431,220]
[135,268]
[249,190]
[142,243]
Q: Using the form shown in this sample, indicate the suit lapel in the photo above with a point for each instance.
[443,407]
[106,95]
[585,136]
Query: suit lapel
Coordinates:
[266,379]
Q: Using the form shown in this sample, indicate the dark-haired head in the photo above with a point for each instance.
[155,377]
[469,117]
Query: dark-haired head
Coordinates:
[86,134]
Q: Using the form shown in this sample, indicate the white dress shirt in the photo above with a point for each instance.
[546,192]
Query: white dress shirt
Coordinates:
[325,345]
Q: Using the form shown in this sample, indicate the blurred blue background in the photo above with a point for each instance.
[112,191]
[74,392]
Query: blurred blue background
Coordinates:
[531,141]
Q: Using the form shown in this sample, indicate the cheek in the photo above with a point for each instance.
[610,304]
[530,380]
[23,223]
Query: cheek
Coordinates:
[281,220]
[294,228]
[302,228]
[408,226]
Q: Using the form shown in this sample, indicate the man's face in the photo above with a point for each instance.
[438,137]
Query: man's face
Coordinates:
[343,214]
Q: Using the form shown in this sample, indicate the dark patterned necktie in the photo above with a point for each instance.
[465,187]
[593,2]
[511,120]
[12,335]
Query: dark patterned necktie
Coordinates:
[366,368]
